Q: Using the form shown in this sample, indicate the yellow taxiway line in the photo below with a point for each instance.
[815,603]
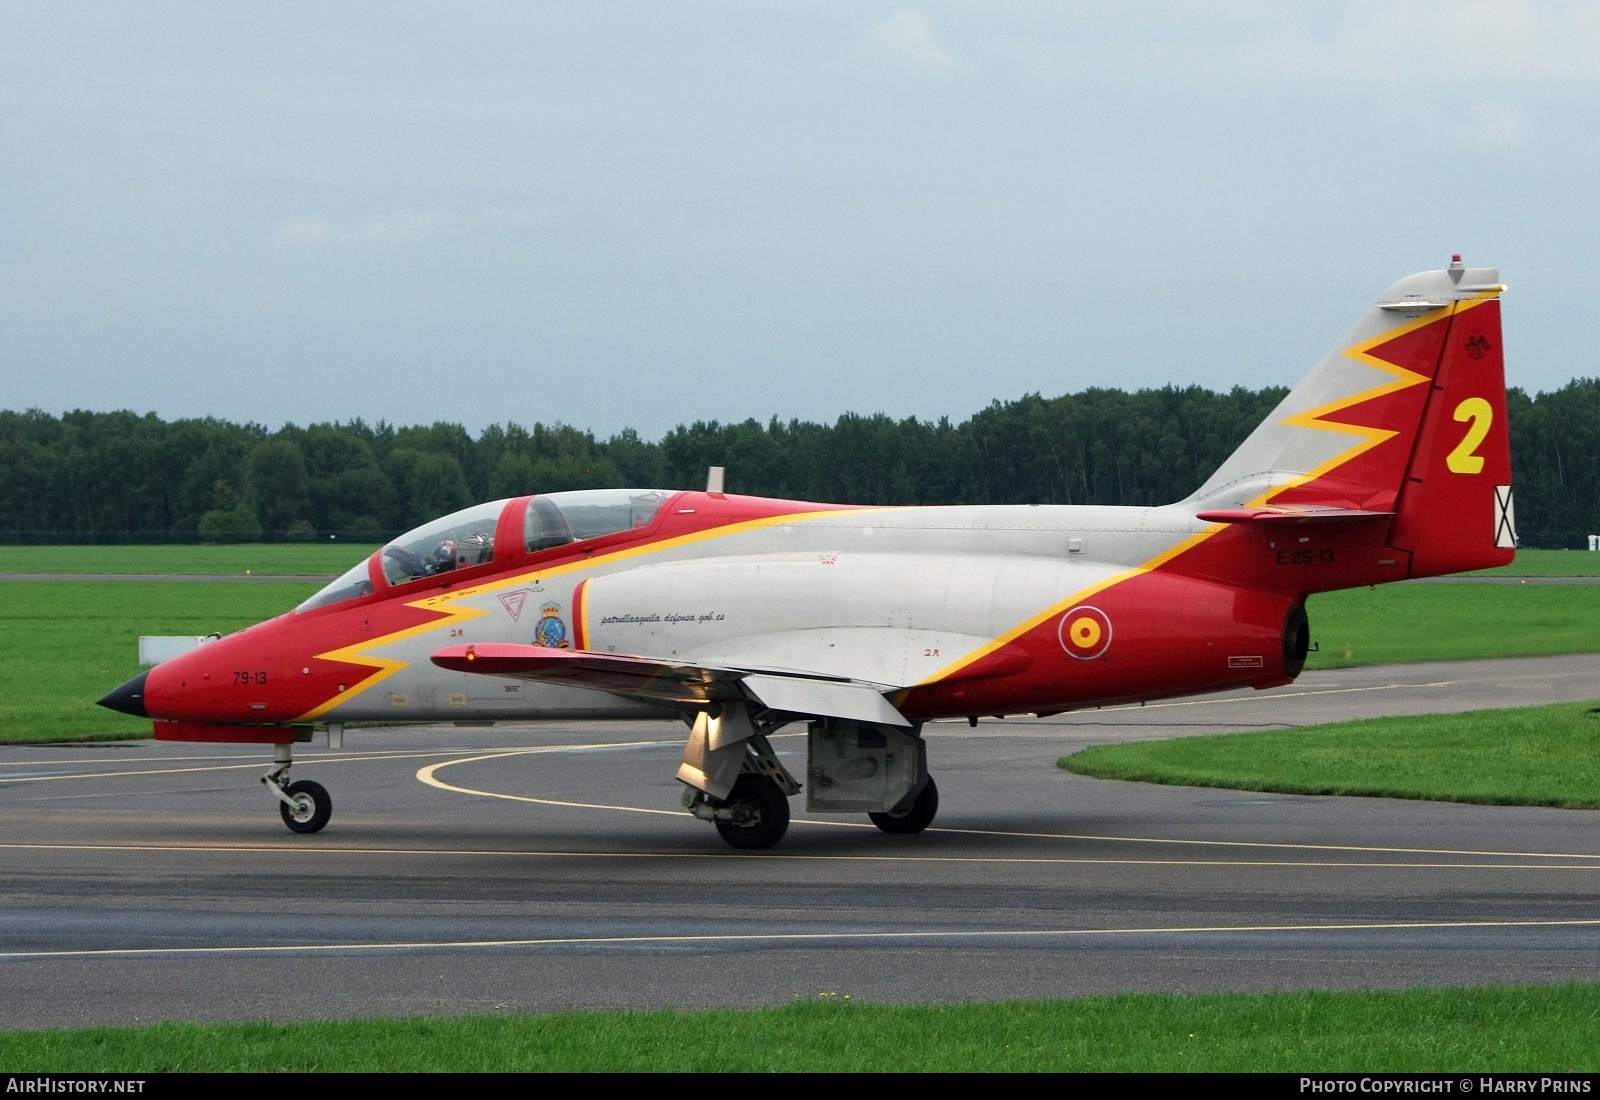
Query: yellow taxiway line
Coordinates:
[429,775]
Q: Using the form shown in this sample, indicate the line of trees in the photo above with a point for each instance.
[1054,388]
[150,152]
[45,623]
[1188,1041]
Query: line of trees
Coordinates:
[120,477]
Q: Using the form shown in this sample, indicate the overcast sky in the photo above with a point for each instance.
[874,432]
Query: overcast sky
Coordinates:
[641,214]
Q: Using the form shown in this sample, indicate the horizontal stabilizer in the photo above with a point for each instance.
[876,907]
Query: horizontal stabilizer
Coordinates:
[1276,513]
[654,680]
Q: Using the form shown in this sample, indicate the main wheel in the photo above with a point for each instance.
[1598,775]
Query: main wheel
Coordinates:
[312,806]
[760,813]
[917,818]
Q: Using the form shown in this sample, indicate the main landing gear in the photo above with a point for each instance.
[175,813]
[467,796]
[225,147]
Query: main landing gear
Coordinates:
[304,804]
[734,780]
[757,813]
[751,811]
[917,815]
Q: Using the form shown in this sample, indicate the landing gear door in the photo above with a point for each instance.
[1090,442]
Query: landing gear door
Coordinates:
[856,767]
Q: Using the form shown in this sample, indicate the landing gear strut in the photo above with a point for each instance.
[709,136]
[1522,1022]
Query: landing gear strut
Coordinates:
[304,804]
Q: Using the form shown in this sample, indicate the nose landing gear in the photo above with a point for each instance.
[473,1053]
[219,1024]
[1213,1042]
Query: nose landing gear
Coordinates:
[304,804]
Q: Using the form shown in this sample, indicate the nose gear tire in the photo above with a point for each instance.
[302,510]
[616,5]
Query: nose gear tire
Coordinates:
[312,806]
[761,813]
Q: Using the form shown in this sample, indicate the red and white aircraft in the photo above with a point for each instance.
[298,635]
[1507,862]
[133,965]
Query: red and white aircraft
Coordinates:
[742,614]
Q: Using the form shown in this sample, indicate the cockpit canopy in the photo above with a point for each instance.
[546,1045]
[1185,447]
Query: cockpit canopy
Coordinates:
[467,538]
[559,518]
[457,541]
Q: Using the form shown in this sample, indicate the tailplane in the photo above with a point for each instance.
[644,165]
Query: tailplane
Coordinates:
[1406,417]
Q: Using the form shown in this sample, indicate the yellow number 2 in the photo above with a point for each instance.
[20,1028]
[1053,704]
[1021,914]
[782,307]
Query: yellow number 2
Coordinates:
[1462,460]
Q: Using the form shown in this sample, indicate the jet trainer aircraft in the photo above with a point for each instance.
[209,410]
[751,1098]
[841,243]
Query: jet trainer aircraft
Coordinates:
[742,614]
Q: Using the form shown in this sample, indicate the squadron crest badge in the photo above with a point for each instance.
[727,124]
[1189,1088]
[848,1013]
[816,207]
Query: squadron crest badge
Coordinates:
[550,631]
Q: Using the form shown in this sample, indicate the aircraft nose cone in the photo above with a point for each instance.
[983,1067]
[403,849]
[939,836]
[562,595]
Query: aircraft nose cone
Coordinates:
[129,698]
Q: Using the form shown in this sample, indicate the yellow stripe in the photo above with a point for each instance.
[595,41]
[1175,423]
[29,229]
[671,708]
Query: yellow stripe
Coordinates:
[1370,437]
[1056,608]
[1401,379]
[359,652]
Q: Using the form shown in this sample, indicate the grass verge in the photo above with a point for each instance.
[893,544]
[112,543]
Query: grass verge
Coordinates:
[1452,622]
[64,645]
[1528,1029]
[1531,756]
[1547,563]
[280,559]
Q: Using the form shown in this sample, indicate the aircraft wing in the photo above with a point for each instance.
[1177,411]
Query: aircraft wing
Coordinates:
[654,680]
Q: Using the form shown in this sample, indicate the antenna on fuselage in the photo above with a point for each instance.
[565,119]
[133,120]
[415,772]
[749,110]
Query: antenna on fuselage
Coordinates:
[714,479]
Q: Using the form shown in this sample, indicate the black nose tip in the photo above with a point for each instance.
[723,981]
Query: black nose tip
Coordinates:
[129,698]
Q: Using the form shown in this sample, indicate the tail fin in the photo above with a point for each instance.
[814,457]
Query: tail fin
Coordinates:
[1407,416]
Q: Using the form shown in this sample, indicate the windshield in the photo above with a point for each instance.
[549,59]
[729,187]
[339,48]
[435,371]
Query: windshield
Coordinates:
[559,518]
[466,538]
[457,541]
[355,582]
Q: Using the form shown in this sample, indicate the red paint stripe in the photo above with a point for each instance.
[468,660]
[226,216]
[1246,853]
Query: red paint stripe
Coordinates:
[226,735]
[579,640]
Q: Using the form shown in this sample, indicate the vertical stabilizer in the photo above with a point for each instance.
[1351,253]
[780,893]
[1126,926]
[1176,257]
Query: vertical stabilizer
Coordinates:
[1407,415]
[1455,509]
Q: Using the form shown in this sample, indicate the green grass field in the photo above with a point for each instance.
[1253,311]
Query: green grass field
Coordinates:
[1531,756]
[1529,1029]
[282,559]
[63,645]
[1452,622]
[1547,563]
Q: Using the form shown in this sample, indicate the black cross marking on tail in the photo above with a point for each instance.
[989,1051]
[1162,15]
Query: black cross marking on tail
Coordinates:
[1505,521]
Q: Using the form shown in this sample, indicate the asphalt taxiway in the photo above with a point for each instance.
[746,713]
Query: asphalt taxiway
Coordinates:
[543,867]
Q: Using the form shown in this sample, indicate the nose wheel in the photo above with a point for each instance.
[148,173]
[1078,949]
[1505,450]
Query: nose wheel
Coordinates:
[305,804]
[306,807]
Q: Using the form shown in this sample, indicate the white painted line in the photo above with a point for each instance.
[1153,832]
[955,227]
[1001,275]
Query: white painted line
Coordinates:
[519,853]
[501,852]
[306,754]
[1280,695]
[1270,844]
[792,937]
[263,764]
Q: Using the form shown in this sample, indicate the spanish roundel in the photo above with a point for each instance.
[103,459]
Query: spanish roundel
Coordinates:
[1085,632]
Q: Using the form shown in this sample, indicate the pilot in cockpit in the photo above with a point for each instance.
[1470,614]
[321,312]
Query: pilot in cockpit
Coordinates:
[443,558]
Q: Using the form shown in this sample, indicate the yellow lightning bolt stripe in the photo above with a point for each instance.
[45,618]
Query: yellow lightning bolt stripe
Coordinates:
[1055,609]
[388,666]
[1370,437]
[1400,379]
[446,603]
